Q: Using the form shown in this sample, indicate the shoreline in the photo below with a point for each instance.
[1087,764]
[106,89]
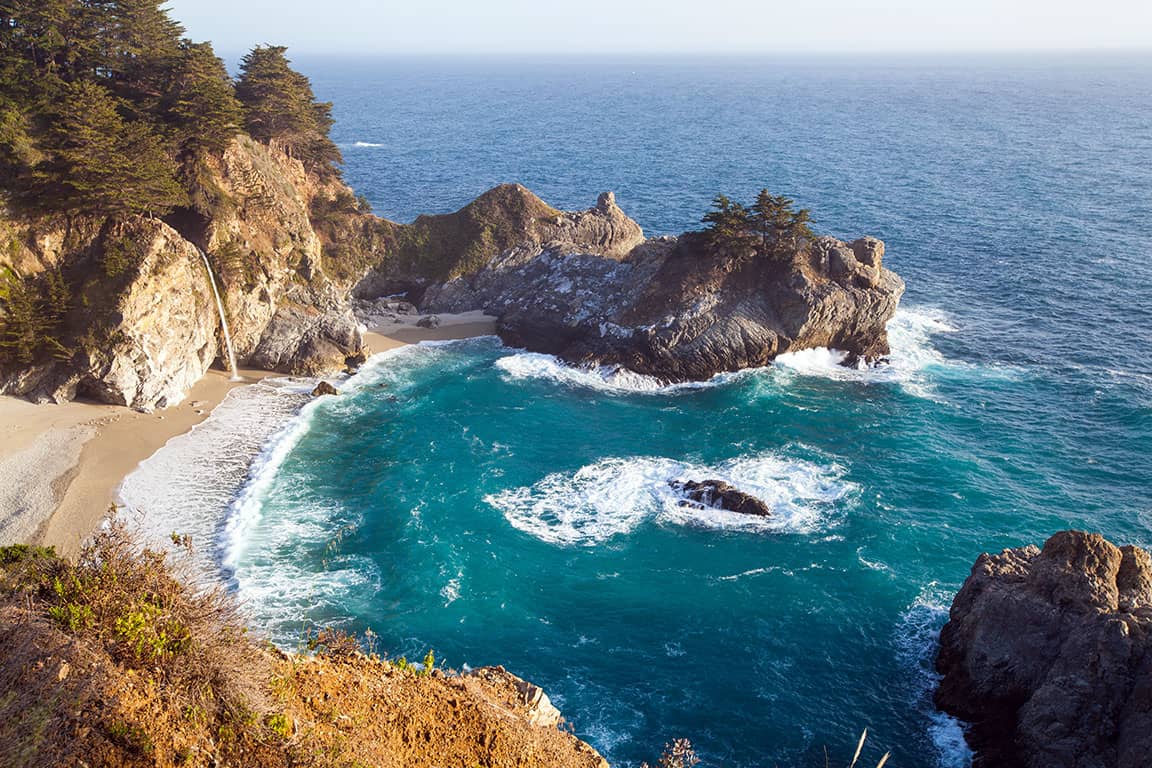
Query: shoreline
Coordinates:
[61,466]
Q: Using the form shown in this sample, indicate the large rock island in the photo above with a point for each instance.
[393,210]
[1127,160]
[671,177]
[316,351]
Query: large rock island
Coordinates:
[1048,654]
[590,289]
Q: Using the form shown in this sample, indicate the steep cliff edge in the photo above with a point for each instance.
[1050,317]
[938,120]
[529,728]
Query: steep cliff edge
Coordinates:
[121,308]
[1048,654]
[674,308]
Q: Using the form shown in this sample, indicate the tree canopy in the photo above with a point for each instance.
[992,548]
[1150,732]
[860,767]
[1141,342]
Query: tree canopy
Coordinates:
[103,101]
[280,108]
[770,227]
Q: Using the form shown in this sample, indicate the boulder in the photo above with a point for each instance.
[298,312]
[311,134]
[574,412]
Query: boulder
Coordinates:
[1046,654]
[324,388]
[428,321]
[719,495]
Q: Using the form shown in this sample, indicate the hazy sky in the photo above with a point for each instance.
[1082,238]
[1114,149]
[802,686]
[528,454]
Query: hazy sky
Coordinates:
[623,26]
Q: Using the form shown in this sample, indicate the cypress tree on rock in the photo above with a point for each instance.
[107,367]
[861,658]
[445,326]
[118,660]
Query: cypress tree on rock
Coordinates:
[281,109]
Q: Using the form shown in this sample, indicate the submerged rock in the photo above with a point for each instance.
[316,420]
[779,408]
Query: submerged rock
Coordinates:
[719,495]
[1047,654]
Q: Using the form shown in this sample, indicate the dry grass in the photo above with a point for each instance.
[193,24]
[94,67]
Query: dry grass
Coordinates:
[112,660]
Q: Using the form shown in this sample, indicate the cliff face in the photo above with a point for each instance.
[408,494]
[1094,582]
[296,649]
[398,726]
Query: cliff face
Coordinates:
[675,308]
[140,324]
[1048,654]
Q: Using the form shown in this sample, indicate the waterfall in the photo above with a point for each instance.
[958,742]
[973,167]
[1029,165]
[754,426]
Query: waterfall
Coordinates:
[223,320]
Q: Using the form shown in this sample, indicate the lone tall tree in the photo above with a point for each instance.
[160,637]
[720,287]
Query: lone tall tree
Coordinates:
[281,109]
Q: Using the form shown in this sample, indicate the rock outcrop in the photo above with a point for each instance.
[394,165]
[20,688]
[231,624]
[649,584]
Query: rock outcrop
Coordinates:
[140,324]
[719,495]
[678,309]
[1048,654]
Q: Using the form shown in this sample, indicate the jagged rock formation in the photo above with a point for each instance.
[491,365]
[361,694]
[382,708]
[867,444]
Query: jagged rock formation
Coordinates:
[676,308]
[1048,654]
[289,247]
[507,222]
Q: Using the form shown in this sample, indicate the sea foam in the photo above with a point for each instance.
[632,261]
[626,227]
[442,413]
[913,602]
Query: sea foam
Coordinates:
[186,487]
[908,365]
[614,496]
[604,378]
[910,335]
[916,640]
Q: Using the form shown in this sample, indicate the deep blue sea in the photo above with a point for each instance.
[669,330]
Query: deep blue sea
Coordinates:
[501,509]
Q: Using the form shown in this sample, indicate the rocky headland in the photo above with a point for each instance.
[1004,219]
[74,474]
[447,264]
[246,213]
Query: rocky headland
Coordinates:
[592,290]
[1047,653]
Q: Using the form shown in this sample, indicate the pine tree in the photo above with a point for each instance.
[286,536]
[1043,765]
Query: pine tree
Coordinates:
[779,228]
[201,102]
[100,164]
[142,47]
[281,109]
[31,311]
[729,224]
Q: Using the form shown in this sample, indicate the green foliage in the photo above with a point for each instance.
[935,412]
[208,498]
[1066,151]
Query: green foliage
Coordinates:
[131,737]
[102,101]
[119,256]
[72,617]
[279,724]
[201,102]
[150,632]
[280,108]
[429,663]
[101,164]
[729,225]
[23,553]
[31,314]
[770,227]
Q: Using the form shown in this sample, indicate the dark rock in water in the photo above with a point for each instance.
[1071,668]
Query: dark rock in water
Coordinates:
[324,388]
[1048,654]
[428,321]
[720,495]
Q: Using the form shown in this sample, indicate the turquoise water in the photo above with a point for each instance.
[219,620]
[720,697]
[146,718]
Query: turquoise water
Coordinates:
[498,508]
[503,510]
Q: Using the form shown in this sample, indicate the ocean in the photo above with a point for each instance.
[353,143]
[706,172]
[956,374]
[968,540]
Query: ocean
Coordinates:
[500,508]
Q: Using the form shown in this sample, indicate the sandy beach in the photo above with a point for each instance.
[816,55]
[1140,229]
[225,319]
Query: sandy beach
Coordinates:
[61,465]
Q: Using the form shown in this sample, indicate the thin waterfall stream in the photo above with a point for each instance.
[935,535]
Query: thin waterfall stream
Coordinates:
[223,319]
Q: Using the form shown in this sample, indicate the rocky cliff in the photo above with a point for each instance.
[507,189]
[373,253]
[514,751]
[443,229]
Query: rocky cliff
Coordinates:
[676,308]
[1048,654]
[137,322]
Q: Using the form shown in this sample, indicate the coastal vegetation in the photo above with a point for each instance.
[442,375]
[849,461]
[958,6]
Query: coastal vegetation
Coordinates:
[112,660]
[106,109]
[770,227]
[111,122]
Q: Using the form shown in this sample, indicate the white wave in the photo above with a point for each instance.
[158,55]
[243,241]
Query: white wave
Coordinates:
[614,496]
[367,144]
[606,378]
[186,487]
[910,333]
[916,640]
